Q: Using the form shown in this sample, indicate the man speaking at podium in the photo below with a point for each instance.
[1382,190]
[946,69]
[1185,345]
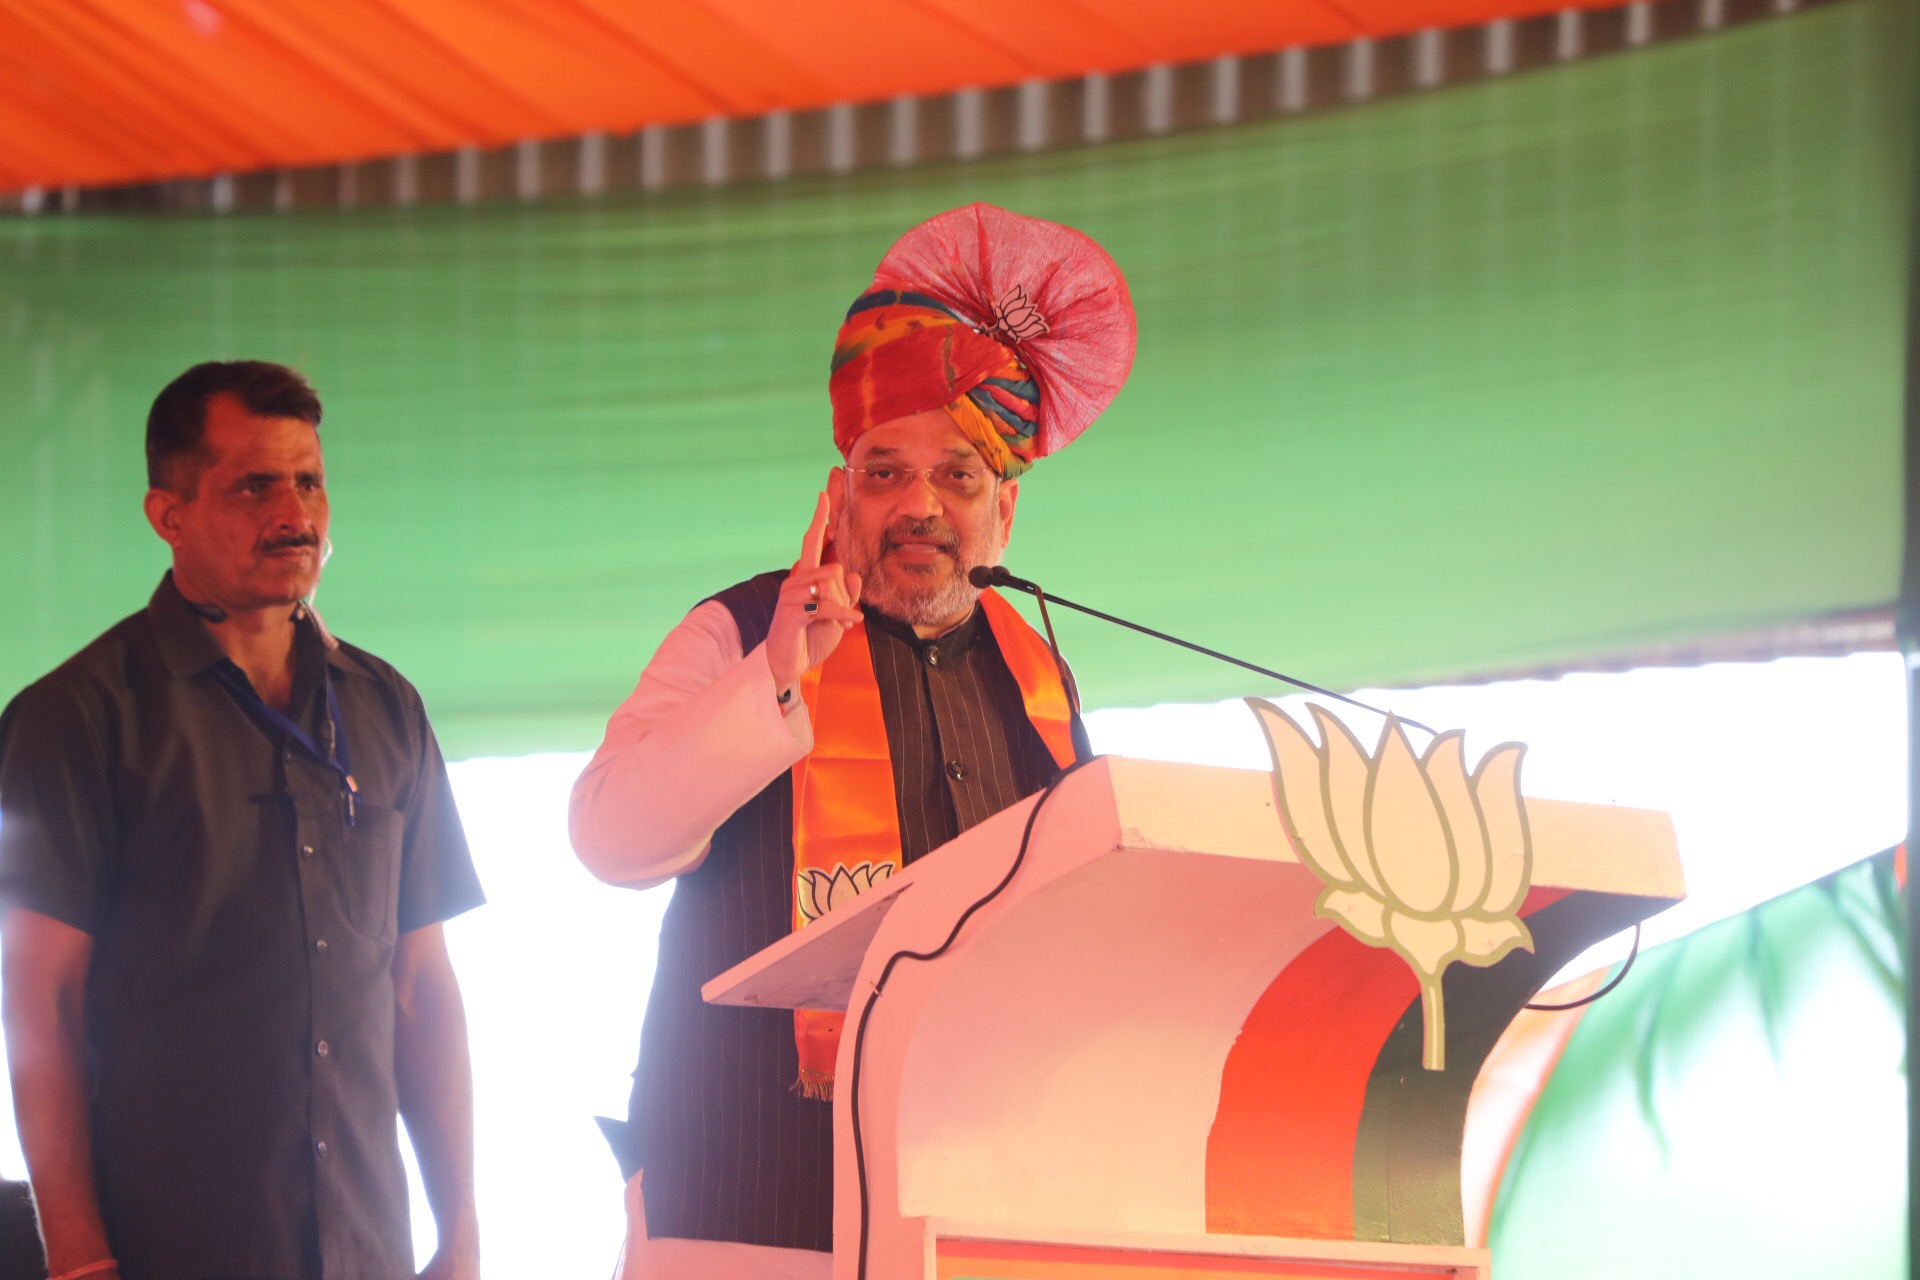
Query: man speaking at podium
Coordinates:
[744,762]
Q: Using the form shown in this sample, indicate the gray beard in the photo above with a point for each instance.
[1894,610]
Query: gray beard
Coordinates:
[919,600]
[920,603]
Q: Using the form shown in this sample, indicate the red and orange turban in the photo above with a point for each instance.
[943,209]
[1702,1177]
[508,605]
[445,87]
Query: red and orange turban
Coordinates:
[1020,329]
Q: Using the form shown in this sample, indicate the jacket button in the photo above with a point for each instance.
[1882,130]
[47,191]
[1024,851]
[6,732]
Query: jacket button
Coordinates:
[320,947]
[956,771]
[933,657]
[322,1049]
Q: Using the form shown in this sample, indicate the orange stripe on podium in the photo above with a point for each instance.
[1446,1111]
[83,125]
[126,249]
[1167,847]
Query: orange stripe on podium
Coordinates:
[1280,1158]
[985,1260]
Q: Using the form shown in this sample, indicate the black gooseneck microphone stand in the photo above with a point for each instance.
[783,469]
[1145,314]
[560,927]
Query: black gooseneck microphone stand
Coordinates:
[984,576]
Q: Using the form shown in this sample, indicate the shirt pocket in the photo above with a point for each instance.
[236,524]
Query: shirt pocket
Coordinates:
[371,870]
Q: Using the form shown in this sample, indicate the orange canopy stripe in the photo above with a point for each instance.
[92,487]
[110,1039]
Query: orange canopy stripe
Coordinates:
[96,92]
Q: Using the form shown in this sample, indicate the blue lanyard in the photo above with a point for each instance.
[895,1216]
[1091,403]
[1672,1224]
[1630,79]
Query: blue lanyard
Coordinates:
[335,755]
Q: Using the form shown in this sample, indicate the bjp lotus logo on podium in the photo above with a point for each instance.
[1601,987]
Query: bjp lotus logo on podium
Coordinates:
[1416,854]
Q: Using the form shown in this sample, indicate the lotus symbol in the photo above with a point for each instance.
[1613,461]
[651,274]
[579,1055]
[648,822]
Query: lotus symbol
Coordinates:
[819,892]
[1016,317]
[1416,854]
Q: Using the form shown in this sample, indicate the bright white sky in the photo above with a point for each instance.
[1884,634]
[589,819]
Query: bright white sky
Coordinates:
[1774,773]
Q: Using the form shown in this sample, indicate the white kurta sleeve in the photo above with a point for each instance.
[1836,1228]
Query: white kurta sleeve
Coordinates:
[700,735]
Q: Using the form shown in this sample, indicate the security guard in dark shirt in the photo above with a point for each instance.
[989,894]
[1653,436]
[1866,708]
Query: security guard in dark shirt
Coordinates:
[227,844]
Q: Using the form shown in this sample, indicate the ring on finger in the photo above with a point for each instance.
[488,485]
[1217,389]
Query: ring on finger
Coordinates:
[813,591]
[811,606]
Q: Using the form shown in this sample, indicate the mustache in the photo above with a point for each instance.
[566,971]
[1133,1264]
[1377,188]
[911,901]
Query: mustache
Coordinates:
[939,532]
[271,545]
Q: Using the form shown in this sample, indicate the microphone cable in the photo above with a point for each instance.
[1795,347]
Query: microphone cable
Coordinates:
[1633,953]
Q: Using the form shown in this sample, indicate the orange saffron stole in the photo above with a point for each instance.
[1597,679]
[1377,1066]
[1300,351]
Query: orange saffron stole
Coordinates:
[846,826]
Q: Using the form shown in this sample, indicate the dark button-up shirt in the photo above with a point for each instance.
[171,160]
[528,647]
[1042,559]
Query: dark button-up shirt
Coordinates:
[962,746]
[240,1013]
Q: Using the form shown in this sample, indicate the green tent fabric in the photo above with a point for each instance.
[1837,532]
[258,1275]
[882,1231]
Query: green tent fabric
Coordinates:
[1575,361]
[1735,1108]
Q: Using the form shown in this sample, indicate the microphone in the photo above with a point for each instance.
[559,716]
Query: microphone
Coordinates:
[996,575]
[984,576]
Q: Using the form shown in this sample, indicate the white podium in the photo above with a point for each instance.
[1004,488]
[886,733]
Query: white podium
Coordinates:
[1147,1056]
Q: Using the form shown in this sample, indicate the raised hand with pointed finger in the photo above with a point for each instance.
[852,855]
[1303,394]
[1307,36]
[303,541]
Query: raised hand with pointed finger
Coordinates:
[818,603]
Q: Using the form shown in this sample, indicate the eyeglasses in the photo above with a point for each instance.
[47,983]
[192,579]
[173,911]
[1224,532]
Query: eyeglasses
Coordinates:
[955,480]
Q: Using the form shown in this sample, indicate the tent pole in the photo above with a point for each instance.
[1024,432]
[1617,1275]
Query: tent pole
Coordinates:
[1907,627]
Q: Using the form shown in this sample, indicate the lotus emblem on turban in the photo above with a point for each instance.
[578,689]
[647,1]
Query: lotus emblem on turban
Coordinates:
[1016,317]
[819,892]
[1416,854]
